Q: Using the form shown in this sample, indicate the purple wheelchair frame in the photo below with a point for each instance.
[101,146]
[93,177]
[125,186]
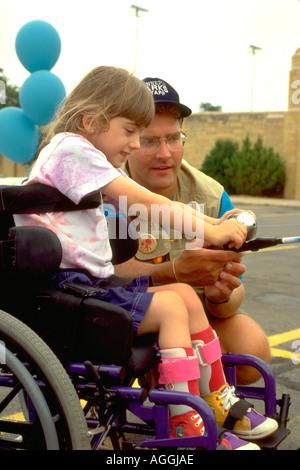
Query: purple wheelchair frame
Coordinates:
[154,415]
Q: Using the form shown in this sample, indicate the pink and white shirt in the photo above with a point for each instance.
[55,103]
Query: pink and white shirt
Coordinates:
[76,168]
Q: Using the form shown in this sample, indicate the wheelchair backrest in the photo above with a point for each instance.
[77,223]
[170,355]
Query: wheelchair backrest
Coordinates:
[32,251]
[39,198]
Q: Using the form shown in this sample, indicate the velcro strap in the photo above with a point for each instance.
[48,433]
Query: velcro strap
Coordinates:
[237,411]
[211,352]
[179,370]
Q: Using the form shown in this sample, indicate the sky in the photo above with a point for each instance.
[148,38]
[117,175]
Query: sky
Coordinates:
[200,47]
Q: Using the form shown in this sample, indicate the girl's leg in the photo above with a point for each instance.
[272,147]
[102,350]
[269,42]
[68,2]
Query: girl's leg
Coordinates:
[213,388]
[174,312]
[167,315]
[199,329]
[197,319]
[179,367]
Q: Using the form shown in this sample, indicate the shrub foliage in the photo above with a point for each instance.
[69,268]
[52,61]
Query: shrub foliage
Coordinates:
[252,169]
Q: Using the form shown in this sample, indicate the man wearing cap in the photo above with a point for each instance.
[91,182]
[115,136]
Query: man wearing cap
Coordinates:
[216,274]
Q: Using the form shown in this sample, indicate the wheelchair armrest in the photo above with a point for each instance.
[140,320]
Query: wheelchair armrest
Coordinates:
[86,328]
[144,355]
[105,332]
[30,252]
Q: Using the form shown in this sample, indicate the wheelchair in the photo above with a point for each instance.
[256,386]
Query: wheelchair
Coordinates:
[70,363]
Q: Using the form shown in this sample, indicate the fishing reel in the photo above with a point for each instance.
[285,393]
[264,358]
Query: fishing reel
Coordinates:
[256,244]
[249,220]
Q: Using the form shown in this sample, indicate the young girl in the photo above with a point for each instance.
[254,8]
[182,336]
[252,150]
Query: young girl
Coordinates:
[94,131]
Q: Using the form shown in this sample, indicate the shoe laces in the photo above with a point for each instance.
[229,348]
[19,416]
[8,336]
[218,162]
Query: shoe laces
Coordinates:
[198,420]
[227,398]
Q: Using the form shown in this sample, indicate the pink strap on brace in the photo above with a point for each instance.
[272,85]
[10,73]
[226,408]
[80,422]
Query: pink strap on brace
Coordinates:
[178,370]
[211,352]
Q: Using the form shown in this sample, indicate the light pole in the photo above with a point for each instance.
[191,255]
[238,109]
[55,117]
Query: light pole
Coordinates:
[253,50]
[137,10]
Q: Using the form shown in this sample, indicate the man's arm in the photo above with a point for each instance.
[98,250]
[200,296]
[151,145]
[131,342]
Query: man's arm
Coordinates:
[195,267]
[228,309]
[161,273]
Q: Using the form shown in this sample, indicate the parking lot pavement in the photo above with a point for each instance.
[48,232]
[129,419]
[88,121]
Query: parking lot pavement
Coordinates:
[273,299]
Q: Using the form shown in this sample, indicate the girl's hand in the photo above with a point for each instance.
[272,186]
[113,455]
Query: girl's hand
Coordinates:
[230,232]
[233,211]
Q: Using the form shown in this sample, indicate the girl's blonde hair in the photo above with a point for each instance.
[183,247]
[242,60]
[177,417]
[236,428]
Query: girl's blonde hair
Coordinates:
[104,93]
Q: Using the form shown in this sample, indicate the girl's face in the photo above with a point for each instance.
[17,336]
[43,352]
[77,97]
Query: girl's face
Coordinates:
[122,137]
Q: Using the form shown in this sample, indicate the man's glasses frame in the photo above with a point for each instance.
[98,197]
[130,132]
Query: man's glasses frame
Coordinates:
[174,142]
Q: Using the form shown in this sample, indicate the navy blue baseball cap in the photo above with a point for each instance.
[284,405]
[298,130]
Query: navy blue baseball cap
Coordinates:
[163,93]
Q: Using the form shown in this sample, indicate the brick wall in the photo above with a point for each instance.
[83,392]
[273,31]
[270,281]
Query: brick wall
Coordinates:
[203,129]
[11,169]
[280,130]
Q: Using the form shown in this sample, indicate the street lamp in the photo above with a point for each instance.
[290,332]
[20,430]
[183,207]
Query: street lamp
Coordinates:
[137,11]
[253,50]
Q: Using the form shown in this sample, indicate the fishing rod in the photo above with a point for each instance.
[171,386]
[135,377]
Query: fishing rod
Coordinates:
[260,243]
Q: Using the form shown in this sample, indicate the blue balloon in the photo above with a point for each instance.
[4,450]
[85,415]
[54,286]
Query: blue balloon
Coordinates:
[19,137]
[38,45]
[40,95]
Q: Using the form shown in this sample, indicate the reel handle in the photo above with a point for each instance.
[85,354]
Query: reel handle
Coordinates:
[249,220]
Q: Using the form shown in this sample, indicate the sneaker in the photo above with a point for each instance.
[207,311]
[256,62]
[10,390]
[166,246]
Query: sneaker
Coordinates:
[186,425]
[252,426]
[232,442]
[191,424]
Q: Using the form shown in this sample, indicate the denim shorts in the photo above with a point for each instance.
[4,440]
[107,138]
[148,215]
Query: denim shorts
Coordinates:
[129,294]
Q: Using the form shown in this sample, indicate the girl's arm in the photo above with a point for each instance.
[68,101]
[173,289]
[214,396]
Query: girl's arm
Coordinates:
[192,223]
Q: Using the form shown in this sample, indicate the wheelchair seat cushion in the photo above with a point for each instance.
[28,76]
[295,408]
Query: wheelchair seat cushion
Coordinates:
[132,296]
[80,328]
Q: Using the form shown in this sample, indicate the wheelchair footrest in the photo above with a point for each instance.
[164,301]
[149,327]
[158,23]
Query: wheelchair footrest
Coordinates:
[272,442]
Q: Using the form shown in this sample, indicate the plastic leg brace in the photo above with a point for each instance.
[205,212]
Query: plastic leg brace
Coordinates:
[207,355]
[180,373]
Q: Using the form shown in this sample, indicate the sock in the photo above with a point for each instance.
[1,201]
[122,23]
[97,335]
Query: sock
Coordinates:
[215,376]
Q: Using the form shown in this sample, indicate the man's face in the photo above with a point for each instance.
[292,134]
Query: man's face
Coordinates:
[158,171]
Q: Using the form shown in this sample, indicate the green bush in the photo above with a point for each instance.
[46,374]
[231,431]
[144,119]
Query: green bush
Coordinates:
[252,170]
[257,170]
[219,161]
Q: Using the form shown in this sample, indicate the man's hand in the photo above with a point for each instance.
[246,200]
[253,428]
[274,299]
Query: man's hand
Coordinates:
[204,267]
[228,281]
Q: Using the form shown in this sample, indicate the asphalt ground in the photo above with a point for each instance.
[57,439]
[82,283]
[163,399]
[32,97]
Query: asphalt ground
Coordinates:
[273,298]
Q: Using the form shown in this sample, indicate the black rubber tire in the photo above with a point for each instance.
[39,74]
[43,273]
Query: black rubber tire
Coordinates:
[20,339]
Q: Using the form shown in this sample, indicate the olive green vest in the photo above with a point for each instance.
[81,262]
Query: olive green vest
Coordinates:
[192,185]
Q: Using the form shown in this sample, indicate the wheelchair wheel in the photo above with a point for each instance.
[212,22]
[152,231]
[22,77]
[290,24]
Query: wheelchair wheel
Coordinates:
[54,418]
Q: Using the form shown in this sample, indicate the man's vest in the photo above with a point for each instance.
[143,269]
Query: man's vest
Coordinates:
[192,186]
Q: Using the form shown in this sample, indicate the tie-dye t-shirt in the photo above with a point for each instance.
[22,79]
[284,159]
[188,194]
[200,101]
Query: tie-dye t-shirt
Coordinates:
[76,168]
